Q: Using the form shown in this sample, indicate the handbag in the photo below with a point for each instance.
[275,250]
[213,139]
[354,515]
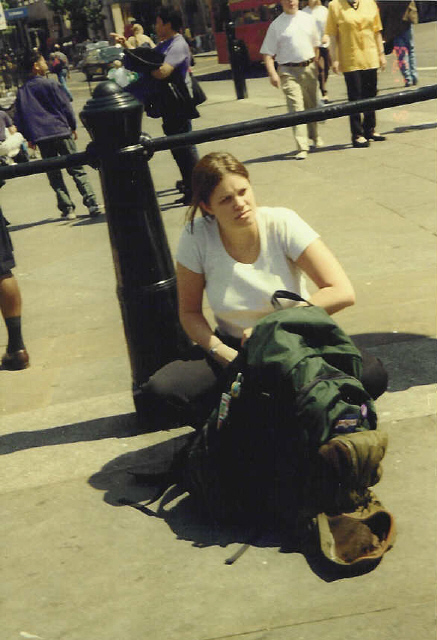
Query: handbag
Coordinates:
[199,96]
[171,100]
[142,59]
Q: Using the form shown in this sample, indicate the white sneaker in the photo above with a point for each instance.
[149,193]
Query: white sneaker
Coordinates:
[68,214]
[302,155]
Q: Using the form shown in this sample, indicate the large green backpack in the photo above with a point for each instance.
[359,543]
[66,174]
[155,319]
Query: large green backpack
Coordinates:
[295,385]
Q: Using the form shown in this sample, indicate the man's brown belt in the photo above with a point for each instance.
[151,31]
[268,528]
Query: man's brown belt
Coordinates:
[305,63]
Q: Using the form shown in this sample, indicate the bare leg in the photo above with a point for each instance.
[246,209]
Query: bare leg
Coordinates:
[16,356]
[10,296]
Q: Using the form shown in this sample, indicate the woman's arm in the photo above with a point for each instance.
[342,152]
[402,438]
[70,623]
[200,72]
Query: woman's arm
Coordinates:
[335,291]
[380,48]
[333,50]
[190,295]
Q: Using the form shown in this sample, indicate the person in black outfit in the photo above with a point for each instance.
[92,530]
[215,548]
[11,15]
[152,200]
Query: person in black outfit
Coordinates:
[176,60]
[16,356]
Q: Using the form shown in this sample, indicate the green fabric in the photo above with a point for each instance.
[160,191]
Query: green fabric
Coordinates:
[300,377]
[302,357]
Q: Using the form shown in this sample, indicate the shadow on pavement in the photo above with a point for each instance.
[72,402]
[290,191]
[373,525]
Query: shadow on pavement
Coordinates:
[85,220]
[410,359]
[121,426]
[413,127]
[120,480]
[81,220]
[28,225]
[290,155]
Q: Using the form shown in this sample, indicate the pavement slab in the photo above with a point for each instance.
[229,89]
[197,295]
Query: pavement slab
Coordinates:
[88,545]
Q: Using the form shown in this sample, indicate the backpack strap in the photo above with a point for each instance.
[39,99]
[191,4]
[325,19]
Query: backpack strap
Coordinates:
[288,295]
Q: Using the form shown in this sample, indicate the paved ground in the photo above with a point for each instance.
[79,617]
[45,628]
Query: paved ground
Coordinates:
[76,564]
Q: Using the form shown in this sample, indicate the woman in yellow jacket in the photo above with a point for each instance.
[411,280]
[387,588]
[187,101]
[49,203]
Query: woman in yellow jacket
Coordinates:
[355,31]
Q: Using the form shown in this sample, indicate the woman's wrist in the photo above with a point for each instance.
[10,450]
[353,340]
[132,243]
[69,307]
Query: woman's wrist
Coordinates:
[221,353]
[214,348]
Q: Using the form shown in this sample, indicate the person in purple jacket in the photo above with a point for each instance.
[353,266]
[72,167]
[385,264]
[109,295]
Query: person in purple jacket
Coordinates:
[45,118]
[175,67]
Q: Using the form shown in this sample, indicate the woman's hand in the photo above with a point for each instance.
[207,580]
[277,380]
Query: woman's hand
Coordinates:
[246,335]
[120,39]
[335,66]
[380,48]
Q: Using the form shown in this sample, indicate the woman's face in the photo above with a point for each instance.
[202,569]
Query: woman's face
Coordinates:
[232,202]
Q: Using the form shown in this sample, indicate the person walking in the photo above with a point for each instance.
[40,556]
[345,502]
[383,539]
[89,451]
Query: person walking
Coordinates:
[44,116]
[59,66]
[292,40]
[16,357]
[397,21]
[320,15]
[357,49]
[176,118]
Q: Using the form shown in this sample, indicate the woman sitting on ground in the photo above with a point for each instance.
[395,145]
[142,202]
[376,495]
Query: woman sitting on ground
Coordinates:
[239,254]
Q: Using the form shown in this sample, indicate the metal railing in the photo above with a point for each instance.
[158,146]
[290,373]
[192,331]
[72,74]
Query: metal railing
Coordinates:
[146,283]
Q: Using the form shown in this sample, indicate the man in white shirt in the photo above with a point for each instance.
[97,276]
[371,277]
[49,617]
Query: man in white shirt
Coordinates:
[292,40]
[320,14]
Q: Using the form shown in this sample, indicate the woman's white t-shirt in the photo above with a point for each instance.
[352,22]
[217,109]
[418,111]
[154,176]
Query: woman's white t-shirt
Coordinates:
[239,294]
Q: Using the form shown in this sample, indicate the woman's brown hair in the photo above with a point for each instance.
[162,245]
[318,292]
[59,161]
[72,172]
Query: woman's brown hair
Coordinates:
[207,174]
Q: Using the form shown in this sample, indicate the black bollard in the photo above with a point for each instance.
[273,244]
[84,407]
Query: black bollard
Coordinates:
[146,282]
[238,60]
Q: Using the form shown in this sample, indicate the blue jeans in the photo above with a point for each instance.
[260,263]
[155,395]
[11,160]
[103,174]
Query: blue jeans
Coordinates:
[62,77]
[404,48]
[64,147]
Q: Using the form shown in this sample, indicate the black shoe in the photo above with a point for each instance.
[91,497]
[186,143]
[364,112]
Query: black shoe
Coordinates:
[15,361]
[22,156]
[360,144]
[186,199]
[376,137]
